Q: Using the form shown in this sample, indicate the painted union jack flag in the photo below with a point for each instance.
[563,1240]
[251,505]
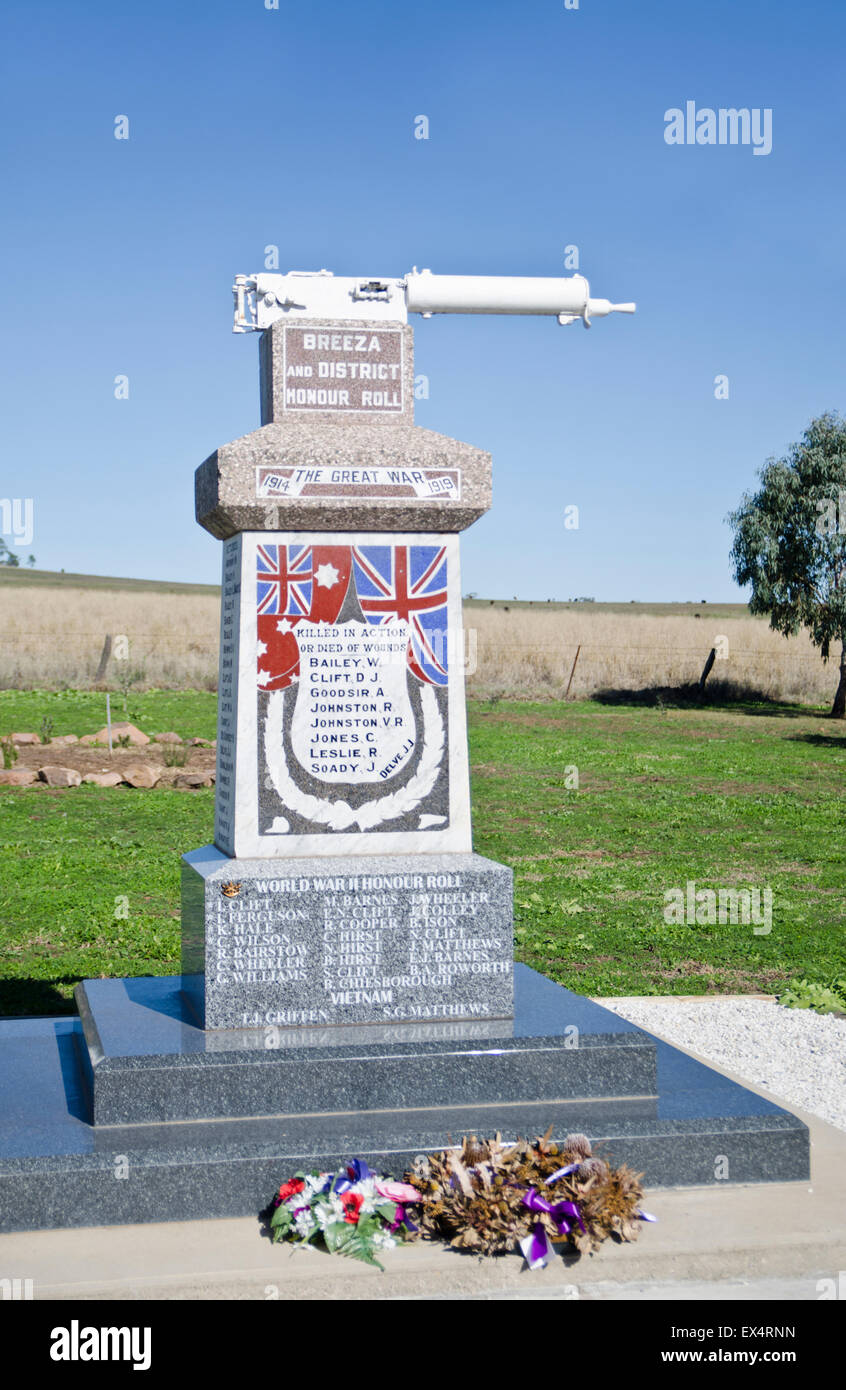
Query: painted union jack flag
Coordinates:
[284,576]
[410,582]
[294,583]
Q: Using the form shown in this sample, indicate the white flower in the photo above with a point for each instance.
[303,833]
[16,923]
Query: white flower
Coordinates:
[367,1189]
[382,1241]
[304,1223]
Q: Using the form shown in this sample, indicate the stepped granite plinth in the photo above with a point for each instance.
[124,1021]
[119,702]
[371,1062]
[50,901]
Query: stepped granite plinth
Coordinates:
[145,1060]
[134,1053]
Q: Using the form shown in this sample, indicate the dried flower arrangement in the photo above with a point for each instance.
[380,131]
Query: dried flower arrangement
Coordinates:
[488,1196]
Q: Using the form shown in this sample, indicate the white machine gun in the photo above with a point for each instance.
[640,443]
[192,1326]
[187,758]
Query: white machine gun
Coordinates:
[318,294]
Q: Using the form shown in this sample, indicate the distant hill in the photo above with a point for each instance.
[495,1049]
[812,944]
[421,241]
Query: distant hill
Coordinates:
[27,578]
[659,610]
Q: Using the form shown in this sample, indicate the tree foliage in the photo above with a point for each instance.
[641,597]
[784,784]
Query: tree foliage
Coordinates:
[790,540]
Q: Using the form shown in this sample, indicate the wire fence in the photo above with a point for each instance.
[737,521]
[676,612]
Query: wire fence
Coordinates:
[495,663]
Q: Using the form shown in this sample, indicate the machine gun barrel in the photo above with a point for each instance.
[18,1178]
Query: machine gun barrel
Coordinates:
[566,298]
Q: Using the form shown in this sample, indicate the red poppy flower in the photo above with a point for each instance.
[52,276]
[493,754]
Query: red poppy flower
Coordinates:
[352,1203]
[290,1189]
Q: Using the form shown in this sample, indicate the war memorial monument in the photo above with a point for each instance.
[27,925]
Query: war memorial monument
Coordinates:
[348,984]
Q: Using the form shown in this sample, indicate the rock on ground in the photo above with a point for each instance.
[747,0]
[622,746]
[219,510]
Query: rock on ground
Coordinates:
[60,776]
[142,775]
[119,731]
[103,779]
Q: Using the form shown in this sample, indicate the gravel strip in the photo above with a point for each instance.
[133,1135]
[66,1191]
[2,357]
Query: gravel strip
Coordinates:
[798,1055]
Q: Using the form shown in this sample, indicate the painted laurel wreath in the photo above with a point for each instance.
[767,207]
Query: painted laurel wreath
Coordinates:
[339,815]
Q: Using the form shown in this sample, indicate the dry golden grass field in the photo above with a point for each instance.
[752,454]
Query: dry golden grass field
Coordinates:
[52,637]
[531,650]
[53,627]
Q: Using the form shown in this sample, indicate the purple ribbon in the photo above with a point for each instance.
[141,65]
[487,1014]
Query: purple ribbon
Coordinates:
[562,1173]
[536,1247]
[559,1211]
[401,1218]
[357,1171]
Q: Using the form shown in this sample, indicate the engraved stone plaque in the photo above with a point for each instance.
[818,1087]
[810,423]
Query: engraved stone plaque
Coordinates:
[306,943]
[349,714]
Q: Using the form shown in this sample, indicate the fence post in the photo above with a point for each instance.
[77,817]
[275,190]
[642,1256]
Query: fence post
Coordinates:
[712,656]
[104,661]
[573,671]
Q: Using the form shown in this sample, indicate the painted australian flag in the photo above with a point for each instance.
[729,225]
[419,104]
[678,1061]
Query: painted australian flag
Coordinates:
[408,581]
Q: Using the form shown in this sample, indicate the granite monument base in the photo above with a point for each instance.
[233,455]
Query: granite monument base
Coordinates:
[137,1061]
[145,1061]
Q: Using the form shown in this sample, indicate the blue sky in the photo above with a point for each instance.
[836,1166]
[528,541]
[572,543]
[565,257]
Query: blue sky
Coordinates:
[295,127]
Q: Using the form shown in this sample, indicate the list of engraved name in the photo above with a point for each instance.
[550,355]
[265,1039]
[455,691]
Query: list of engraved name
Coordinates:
[385,939]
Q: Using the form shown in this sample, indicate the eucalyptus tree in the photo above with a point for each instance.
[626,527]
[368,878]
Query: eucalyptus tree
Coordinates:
[790,542]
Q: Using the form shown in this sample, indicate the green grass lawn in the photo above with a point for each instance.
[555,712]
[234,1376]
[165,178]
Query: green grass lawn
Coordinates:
[733,797]
[728,797]
[189,713]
